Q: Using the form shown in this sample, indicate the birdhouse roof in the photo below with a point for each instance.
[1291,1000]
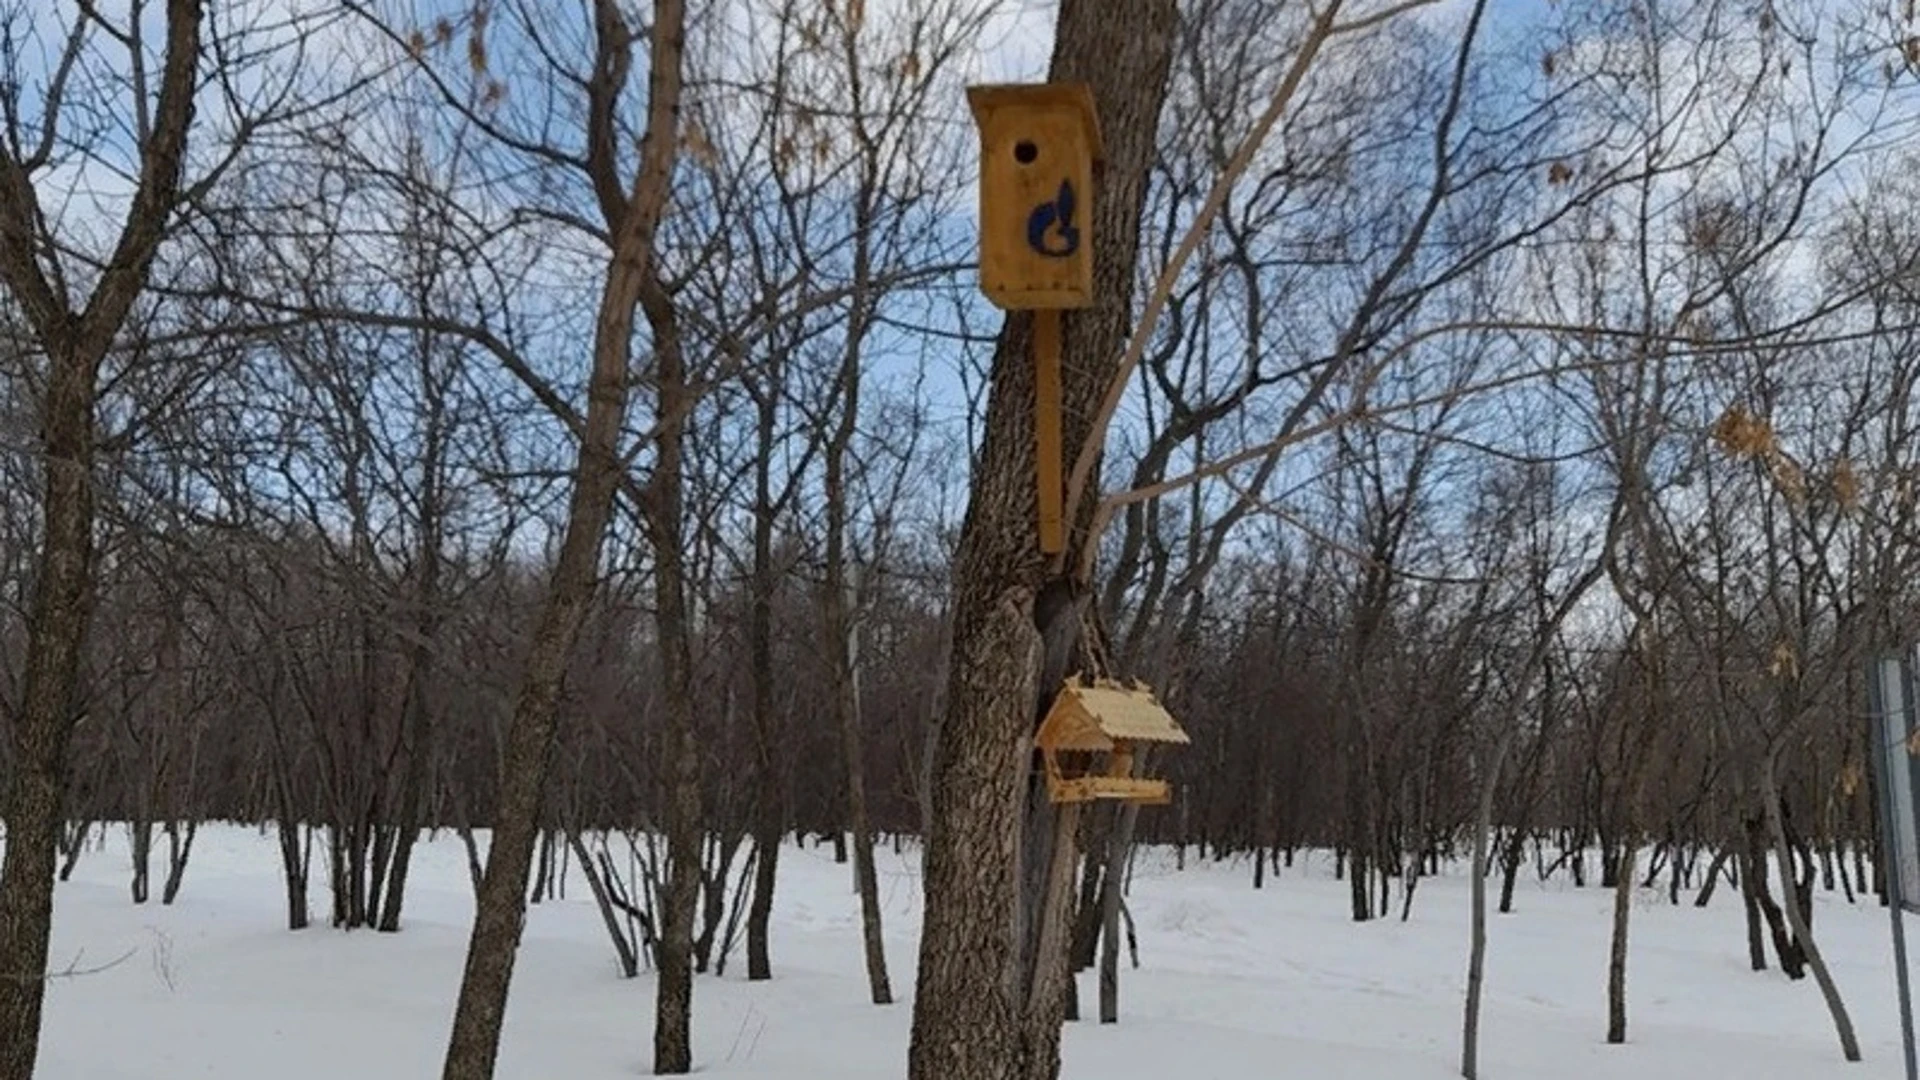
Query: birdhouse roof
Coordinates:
[1094,717]
[1076,96]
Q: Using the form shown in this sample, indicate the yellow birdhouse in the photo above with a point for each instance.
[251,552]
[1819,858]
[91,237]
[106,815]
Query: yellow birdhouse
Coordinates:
[1104,719]
[1038,145]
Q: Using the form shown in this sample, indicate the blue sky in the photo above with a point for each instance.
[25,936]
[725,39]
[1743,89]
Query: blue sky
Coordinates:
[1014,48]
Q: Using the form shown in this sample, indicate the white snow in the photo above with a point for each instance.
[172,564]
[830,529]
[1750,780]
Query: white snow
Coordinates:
[1234,983]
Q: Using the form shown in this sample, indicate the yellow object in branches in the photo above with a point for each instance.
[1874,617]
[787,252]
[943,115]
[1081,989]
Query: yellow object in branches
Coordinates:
[1745,435]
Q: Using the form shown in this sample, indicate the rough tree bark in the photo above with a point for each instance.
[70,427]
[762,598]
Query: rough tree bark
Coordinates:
[75,344]
[969,1007]
[634,220]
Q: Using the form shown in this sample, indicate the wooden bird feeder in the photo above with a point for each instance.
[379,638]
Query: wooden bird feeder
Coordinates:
[1103,720]
[1039,143]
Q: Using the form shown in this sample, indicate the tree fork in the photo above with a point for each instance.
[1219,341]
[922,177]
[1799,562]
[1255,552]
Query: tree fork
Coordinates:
[634,220]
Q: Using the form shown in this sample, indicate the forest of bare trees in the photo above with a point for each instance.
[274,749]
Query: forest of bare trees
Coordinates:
[574,428]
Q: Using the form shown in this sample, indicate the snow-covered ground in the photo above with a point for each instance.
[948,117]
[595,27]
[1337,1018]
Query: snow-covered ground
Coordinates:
[1233,984]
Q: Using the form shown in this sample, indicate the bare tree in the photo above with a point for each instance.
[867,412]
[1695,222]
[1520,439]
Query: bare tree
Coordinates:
[632,214]
[75,341]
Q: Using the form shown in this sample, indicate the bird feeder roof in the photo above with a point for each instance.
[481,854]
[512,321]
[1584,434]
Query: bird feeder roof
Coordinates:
[1095,717]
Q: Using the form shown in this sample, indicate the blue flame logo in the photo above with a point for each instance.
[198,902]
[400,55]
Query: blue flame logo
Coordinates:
[1055,217]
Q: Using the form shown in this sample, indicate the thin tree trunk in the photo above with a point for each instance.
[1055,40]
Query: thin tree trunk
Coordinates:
[419,750]
[1477,947]
[714,898]
[179,850]
[293,868]
[1797,919]
[1785,947]
[140,833]
[1047,970]
[1096,828]
[418,740]
[1359,864]
[769,801]
[1119,843]
[730,934]
[1483,814]
[839,602]
[500,907]
[1617,953]
[542,867]
[863,869]
[1750,903]
[766,844]
[623,948]
[1110,951]
[75,843]
[1705,896]
[1118,850]
[476,868]
[1510,870]
[665,517]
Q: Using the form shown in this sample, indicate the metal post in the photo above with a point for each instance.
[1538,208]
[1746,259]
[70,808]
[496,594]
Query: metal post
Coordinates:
[1891,689]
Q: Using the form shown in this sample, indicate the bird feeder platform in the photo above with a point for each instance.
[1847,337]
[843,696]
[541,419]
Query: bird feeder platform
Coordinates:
[1090,737]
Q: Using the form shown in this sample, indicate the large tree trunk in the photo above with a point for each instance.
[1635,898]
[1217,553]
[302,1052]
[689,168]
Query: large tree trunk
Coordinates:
[500,907]
[969,1006]
[57,630]
[75,344]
